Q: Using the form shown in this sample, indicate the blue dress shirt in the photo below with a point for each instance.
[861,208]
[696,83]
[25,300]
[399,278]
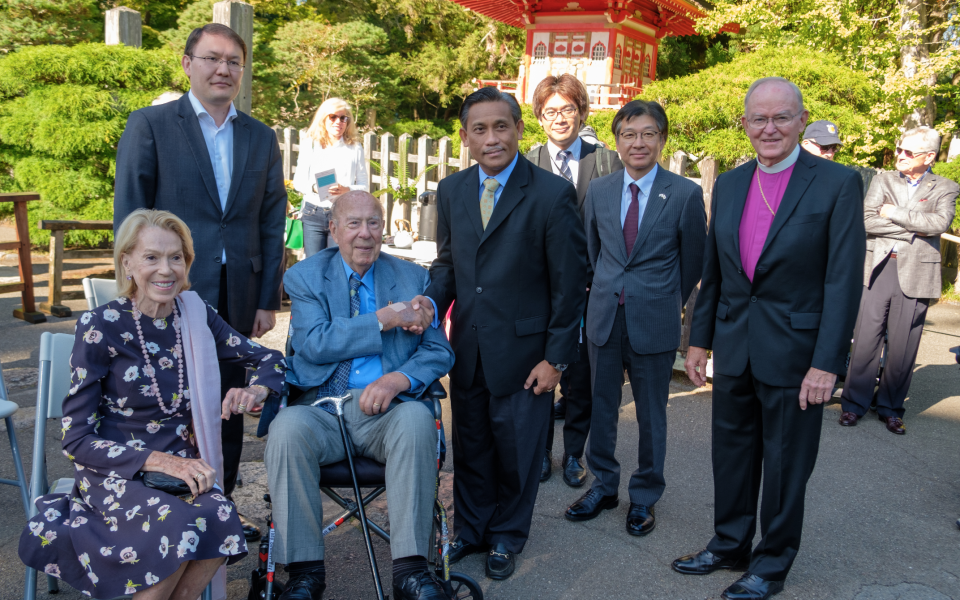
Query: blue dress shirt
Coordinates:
[501,177]
[645,183]
[366,369]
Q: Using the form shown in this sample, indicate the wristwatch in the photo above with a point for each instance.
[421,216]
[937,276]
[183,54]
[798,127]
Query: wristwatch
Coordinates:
[380,324]
[559,367]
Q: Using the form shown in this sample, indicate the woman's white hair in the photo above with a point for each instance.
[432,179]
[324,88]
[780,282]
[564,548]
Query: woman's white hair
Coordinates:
[926,138]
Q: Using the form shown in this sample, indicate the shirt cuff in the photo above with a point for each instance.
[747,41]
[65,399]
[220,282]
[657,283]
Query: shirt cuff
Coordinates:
[415,386]
[436,316]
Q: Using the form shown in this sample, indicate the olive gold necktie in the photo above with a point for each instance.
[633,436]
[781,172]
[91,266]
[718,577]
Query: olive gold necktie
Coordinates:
[490,186]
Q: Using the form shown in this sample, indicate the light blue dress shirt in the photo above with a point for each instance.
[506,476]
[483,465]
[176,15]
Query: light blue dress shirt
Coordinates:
[501,177]
[645,183]
[219,142]
[367,369]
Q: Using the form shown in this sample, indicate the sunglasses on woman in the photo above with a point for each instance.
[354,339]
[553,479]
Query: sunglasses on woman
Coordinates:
[341,118]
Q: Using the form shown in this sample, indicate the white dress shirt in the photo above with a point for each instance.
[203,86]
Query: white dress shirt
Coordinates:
[346,160]
[219,142]
[644,183]
[573,162]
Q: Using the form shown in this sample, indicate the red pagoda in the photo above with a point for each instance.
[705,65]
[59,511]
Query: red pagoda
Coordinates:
[611,46]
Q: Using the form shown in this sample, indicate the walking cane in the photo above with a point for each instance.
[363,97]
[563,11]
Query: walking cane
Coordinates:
[337,402]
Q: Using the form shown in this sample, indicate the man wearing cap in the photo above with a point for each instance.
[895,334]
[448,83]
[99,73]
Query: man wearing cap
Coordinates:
[822,138]
[905,212]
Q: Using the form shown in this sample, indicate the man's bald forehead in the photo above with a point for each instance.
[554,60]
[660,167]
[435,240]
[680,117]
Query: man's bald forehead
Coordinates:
[346,201]
[786,87]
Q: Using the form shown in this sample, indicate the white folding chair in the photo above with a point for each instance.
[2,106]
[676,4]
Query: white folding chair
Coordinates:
[98,291]
[7,410]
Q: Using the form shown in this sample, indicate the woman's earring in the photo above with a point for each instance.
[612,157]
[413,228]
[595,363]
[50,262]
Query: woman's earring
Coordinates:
[128,278]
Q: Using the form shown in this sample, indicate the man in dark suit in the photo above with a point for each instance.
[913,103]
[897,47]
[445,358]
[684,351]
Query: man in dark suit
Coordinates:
[511,252]
[778,301]
[219,170]
[646,229]
[562,105]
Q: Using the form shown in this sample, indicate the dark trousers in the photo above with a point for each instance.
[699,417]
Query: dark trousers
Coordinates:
[231,376]
[759,432]
[650,380]
[884,309]
[575,387]
[497,452]
[316,229]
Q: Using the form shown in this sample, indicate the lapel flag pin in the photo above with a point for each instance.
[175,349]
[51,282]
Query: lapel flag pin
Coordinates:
[664,196]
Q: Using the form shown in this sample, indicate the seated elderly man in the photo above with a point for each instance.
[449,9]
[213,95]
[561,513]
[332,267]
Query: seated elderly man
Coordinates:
[353,332]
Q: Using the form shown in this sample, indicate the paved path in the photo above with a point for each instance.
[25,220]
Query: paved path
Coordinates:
[880,508]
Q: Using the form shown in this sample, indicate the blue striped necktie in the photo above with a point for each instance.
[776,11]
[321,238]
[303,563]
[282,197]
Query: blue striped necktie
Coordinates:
[340,380]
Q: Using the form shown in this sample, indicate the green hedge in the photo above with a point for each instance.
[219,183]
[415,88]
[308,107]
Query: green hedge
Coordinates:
[951,170]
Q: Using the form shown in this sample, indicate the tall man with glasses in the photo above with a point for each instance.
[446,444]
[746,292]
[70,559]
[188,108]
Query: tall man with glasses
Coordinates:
[777,303]
[219,170]
[562,105]
[646,229]
[904,214]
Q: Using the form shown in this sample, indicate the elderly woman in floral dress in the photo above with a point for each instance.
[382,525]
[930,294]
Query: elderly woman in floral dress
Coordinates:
[129,412]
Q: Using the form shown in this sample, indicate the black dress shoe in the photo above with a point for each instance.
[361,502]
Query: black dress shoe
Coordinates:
[849,419]
[500,562]
[419,586]
[250,531]
[460,549]
[640,519]
[894,424]
[706,562]
[304,586]
[751,587]
[589,505]
[546,469]
[573,472]
[559,409]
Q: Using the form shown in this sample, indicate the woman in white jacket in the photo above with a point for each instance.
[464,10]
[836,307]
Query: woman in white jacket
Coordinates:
[331,142]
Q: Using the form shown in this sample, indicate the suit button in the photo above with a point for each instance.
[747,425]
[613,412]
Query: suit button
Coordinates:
[223,225]
[739,270]
[219,259]
[474,327]
[479,290]
[753,298]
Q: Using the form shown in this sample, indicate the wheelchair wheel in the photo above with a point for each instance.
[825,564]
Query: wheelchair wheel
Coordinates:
[258,587]
[463,587]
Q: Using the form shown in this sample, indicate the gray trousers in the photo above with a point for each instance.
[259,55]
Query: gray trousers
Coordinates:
[650,380]
[303,438]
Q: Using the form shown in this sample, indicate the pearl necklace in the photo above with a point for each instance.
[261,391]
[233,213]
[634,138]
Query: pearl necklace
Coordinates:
[154,389]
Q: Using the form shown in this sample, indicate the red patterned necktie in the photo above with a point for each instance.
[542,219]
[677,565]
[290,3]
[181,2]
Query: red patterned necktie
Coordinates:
[630,226]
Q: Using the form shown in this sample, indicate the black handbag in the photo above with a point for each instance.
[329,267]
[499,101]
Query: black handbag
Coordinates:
[166,483]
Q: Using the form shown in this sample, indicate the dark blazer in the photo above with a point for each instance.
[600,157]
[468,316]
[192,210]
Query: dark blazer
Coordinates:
[663,268]
[594,162]
[163,163]
[801,308]
[519,285]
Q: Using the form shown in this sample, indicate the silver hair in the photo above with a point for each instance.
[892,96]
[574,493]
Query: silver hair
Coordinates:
[764,80]
[929,138]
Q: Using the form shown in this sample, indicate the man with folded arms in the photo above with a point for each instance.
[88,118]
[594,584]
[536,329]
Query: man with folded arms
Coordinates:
[904,213]
[778,300]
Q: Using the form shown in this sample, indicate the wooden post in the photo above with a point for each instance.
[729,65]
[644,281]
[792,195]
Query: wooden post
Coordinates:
[57,230]
[287,148]
[387,143]
[679,162]
[123,26]
[443,167]
[238,16]
[709,168]
[464,157]
[403,151]
[27,311]
[369,145]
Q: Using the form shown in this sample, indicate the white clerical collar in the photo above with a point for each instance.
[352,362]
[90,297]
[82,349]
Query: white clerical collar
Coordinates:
[782,165]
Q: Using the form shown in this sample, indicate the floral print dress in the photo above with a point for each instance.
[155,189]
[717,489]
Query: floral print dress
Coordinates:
[112,535]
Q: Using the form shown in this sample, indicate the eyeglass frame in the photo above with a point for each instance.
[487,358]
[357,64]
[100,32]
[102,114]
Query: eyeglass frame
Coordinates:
[332,118]
[557,113]
[911,153]
[751,125]
[824,147]
[642,135]
[219,61]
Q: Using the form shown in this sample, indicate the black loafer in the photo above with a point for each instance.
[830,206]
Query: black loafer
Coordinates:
[460,549]
[250,531]
[500,562]
[589,506]
[573,472]
[304,586]
[706,562]
[640,519]
[751,587]
[546,469]
[419,586]
[559,409]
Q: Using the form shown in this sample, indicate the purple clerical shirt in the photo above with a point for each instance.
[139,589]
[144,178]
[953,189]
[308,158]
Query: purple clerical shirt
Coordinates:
[757,218]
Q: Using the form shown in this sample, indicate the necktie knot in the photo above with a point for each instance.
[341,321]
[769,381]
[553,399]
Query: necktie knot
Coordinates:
[491,184]
[634,191]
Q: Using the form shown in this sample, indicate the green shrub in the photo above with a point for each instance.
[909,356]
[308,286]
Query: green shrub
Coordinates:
[951,170]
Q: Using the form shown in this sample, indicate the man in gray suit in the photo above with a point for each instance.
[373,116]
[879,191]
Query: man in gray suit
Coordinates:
[646,229]
[904,214]
[352,331]
[219,170]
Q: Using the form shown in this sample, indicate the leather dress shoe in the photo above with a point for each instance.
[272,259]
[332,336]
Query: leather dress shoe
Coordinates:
[500,562]
[589,505]
[706,562]
[250,531]
[894,425]
[304,586]
[459,549]
[559,409]
[640,519]
[419,586]
[546,469]
[573,472]
[849,419]
[751,587]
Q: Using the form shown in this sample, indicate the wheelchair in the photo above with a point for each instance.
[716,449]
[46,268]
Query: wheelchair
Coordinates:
[362,472]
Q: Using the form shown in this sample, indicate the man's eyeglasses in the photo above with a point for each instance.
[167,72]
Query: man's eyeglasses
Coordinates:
[551,114]
[910,153]
[647,136]
[827,148]
[341,118]
[758,122]
[215,63]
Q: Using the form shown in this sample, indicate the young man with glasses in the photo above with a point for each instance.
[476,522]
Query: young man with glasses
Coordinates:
[219,170]
[562,105]
[646,229]
[905,212]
